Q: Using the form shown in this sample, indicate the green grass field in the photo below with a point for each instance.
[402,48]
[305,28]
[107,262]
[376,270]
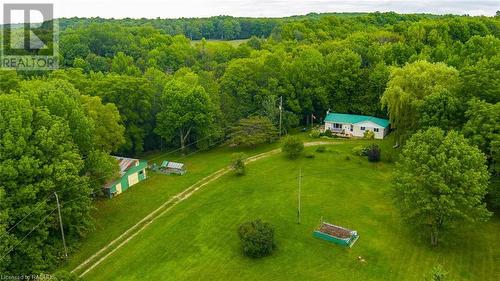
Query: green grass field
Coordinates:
[113,217]
[234,43]
[197,240]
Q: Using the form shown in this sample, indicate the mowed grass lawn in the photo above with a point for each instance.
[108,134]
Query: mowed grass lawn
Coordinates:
[197,240]
[113,217]
[234,43]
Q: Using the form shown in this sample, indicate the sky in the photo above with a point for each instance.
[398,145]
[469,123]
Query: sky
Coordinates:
[254,8]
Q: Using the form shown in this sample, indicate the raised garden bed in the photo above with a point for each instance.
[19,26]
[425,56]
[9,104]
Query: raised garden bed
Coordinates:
[336,234]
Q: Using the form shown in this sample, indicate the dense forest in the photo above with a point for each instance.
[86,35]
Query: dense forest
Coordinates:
[135,85]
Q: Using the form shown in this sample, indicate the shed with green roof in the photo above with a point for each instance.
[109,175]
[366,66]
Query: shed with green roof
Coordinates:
[132,171]
[356,125]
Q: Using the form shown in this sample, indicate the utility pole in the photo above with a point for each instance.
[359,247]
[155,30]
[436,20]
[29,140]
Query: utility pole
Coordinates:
[281,112]
[61,224]
[298,208]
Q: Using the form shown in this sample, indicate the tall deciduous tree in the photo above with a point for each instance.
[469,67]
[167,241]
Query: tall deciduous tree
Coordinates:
[442,109]
[185,110]
[133,97]
[407,88]
[108,130]
[481,79]
[253,131]
[123,64]
[9,80]
[342,74]
[483,130]
[37,158]
[440,180]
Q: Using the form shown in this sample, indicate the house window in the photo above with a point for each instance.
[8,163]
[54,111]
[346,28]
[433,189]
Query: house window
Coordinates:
[337,126]
[352,127]
[363,128]
[375,130]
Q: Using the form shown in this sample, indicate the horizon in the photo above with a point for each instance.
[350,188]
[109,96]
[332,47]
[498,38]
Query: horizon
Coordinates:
[176,9]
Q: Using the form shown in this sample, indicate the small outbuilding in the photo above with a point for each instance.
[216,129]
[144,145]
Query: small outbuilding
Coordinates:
[356,125]
[132,171]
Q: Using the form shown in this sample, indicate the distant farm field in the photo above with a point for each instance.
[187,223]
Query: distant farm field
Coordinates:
[235,43]
[197,240]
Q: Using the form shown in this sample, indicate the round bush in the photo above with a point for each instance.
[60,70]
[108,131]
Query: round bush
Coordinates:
[373,153]
[315,134]
[257,238]
[327,133]
[292,147]
[369,135]
[238,163]
[321,149]
[358,150]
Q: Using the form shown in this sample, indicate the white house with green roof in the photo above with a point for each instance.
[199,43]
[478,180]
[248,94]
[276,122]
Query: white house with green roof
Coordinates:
[356,125]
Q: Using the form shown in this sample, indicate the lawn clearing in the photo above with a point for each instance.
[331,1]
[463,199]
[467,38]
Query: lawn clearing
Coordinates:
[234,43]
[115,216]
[197,240]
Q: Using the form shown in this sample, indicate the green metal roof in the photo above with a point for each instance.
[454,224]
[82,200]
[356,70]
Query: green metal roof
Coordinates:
[142,165]
[353,119]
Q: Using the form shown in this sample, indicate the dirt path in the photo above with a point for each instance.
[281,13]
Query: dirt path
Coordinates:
[110,248]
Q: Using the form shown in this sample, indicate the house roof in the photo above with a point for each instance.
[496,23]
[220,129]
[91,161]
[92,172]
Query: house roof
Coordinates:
[353,119]
[127,167]
[125,163]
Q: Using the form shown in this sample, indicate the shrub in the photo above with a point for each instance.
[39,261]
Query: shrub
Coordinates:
[369,135]
[315,134]
[310,155]
[64,275]
[257,238]
[238,163]
[321,149]
[292,147]
[373,153]
[347,158]
[327,133]
[358,150]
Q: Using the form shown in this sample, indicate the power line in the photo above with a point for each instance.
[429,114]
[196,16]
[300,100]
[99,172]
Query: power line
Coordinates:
[42,220]
[204,138]
[21,220]
[96,179]
[37,205]
[33,229]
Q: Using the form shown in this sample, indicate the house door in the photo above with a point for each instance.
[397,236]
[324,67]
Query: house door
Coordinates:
[118,188]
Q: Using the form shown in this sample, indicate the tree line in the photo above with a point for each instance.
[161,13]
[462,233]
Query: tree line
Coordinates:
[230,28]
